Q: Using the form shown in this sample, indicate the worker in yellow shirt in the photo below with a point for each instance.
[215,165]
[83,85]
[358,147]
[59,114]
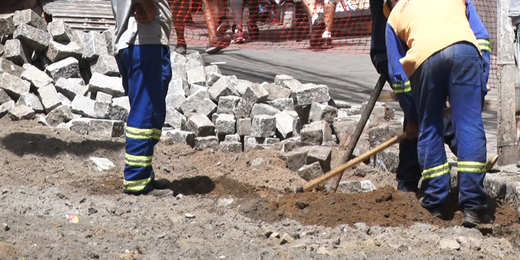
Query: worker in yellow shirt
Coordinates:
[433,56]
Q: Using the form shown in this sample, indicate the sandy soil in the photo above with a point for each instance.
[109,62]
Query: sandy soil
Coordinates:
[56,205]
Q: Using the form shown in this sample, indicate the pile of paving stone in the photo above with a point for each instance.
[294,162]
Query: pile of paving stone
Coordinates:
[70,79]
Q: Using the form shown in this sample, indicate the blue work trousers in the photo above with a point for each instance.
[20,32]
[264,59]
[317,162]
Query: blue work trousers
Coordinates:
[454,73]
[146,72]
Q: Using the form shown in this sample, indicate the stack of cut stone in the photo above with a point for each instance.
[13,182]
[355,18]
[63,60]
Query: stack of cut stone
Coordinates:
[70,79]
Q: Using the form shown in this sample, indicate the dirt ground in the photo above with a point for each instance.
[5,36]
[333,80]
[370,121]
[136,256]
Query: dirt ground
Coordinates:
[56,205]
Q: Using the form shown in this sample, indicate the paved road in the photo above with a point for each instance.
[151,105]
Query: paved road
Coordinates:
[349,77]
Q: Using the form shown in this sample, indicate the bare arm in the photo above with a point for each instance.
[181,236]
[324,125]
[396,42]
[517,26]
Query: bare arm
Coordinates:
[145,11]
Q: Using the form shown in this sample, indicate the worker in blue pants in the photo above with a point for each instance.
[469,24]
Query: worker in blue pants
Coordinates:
[408,172]
[143,57]
[434,55]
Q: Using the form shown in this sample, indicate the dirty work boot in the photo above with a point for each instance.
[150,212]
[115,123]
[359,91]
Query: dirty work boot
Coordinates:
[161,184]
[437,212]
[160,193]
[472,218]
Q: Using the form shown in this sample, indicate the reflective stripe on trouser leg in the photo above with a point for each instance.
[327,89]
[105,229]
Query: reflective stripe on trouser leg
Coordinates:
[466,95]
[429,83]
[146,82]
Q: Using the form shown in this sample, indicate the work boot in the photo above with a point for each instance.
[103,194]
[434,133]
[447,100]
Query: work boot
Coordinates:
[253,30]
[472,218]
[160,193]
[437,212]
[161,184]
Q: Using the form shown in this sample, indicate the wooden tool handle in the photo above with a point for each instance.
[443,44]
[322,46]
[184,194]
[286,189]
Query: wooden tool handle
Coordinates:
[314,182]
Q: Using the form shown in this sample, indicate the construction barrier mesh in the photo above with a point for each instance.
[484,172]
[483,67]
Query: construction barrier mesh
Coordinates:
[285,24]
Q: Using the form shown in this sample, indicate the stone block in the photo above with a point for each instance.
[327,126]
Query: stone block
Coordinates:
[60,31]
[263,109]
[6,24]
[251,144]
[213,74]
[2,48]
[175,101]
[84,106]
[16,52]
[232,138]
[32,38]
[21,113]
[276,91]
[14,86]
[4,108]
[230,147]
[241,84]
[77,37]
[206,142]
[195,88]
[178,63]
[287,82]
[223,87]
[290,144]
[103,97]
[380,134]
[386,160]
[94,45]
[225,124]
[66,68]
[122,101]
[70,87]
[106,65]
[181,137]
[107,84]
[101,110]
[252,95]
[200,124]
[226,104]
[380,113]
[175,119]
[285,123]
[61,114]
[80,125]
[344,128]
[198,103]
[49,97]
[271,140]
[310,171]
[244,126]
[106,128]
[308,93]
[282,104]
[263,126]
[64,100]
[108,35]
[4,97]
[320,154]
[117,112]
[177,86]
[297,158]
[29,17]
[37,77]
[10,68]
[32,101]
[323,112]
[356,186]
[316,133]
[195,71]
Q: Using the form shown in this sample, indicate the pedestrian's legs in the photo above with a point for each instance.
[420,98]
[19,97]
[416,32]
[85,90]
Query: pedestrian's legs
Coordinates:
[146,80]
[466,94]
[429,83]
[180,9]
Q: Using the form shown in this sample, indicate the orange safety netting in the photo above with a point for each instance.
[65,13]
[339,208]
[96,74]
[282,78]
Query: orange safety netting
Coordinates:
[285,24]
